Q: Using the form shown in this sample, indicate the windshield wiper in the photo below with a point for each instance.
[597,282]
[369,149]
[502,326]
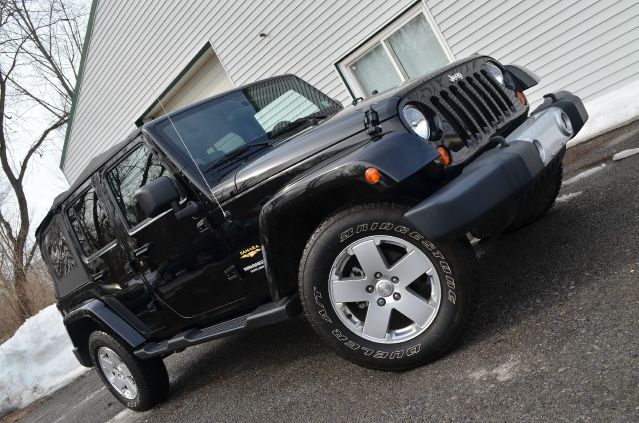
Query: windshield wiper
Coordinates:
[313,120]
[231,155]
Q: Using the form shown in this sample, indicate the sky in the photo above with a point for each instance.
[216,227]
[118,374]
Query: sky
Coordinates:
[44,180]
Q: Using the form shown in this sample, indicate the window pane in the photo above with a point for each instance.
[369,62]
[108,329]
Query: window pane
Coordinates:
[60,256]
[375,71]
[136,170]
[417,48]
[90,223]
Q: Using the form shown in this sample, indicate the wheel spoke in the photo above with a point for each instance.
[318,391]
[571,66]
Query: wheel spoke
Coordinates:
[409,268]
[350,290]
[106,363]
[118,383]
[370,258]
[377,319]
[415,308]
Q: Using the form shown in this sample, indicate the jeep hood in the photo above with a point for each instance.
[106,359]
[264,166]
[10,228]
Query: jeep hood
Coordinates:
[316,145]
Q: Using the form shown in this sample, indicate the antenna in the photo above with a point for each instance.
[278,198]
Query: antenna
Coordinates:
[226,214]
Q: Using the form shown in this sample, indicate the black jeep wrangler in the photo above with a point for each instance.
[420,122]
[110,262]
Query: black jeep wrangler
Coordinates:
[244,209]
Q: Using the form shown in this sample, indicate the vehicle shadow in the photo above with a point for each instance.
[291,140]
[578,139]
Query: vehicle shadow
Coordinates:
[525,272]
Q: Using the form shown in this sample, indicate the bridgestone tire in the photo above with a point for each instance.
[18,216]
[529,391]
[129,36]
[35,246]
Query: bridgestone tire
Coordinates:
[150,376]
[454,265]
[541,197]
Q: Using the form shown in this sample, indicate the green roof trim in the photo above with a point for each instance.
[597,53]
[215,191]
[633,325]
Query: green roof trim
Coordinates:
[76,92]
[207,47]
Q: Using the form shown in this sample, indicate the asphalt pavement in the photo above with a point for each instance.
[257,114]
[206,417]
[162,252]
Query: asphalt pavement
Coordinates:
[553,335]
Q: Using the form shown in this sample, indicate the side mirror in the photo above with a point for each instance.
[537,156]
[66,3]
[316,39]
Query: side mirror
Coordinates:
[157,196]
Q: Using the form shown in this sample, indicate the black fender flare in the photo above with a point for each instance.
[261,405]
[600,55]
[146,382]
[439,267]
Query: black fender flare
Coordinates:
[520,77]
[397,155]
[92,315]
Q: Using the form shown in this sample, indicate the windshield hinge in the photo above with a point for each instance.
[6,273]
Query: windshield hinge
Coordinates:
[372,124]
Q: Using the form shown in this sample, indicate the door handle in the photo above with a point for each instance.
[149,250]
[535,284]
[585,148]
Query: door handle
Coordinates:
[142,251]
[99,276]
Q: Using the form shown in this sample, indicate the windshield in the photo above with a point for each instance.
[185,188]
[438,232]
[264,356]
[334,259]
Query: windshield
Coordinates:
[221,131]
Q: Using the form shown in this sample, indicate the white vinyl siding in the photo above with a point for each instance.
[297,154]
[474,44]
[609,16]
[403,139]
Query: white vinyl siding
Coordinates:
[589,47]
[205,78]
[138,48]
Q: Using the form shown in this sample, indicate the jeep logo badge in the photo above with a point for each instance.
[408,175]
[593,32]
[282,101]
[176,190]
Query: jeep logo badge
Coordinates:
[456,77]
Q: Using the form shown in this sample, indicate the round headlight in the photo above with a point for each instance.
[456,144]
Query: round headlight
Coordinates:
[495,72]
[416,121]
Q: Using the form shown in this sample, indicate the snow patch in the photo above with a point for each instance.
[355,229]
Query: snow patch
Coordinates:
[568,197]
[625,153]
[609,111]
[584,174]
[36,361]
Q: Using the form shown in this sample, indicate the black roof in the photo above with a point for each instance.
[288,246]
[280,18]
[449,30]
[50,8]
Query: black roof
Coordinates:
[93,165]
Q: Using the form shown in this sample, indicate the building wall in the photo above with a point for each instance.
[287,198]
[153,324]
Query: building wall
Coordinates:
[587,46]
[138,47]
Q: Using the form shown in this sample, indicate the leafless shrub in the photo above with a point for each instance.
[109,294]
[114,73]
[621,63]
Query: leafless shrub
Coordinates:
[39,289]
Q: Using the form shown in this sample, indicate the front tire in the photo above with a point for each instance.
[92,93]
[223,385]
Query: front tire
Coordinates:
[379,293]
[138,384]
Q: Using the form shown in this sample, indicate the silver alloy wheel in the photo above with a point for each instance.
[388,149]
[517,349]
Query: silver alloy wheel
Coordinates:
[117,373]
[378,288]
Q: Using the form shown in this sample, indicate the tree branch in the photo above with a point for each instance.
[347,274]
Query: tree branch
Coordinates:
[34,147]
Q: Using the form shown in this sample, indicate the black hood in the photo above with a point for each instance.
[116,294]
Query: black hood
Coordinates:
[344,125]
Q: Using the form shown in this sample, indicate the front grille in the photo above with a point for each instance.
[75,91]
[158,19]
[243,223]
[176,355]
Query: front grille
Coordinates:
[475,106]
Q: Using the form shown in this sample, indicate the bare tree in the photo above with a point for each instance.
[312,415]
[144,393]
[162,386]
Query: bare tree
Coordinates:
[40,48]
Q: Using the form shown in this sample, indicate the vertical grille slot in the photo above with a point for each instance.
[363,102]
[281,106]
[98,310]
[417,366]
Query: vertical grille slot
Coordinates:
[479,102]
[486,96]
[466,119]
[450,118]
[468,105]
[497,88]
[493,94]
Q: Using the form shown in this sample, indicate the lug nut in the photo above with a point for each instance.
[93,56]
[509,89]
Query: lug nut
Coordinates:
[395,279]
[396,296]
[370,289]
[381,302]
[378,275]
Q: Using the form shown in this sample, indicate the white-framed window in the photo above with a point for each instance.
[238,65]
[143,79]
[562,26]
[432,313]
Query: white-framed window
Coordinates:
[411,46]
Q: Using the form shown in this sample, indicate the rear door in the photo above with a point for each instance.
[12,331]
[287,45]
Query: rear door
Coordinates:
[184,261]
[109,273]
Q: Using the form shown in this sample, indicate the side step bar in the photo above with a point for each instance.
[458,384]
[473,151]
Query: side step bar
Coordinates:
[264,315]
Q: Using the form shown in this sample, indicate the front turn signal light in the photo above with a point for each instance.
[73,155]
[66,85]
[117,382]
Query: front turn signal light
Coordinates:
[521,97]
[444,156]
[372,175]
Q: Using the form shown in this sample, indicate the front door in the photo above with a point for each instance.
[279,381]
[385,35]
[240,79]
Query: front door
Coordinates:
[185,264]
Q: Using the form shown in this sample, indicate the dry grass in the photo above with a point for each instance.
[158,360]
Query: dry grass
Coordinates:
[40,289]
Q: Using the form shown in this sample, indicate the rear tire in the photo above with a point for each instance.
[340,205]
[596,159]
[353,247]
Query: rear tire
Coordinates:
[138,384]
[408,312]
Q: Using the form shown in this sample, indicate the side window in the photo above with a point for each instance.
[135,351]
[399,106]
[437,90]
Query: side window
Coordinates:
[60,256]
[136,170]
[90,223]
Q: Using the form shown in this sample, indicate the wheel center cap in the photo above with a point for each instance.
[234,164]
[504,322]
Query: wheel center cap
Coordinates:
[384,288]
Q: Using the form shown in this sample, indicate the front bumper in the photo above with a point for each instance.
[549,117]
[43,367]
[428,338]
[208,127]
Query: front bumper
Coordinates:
[501,175]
